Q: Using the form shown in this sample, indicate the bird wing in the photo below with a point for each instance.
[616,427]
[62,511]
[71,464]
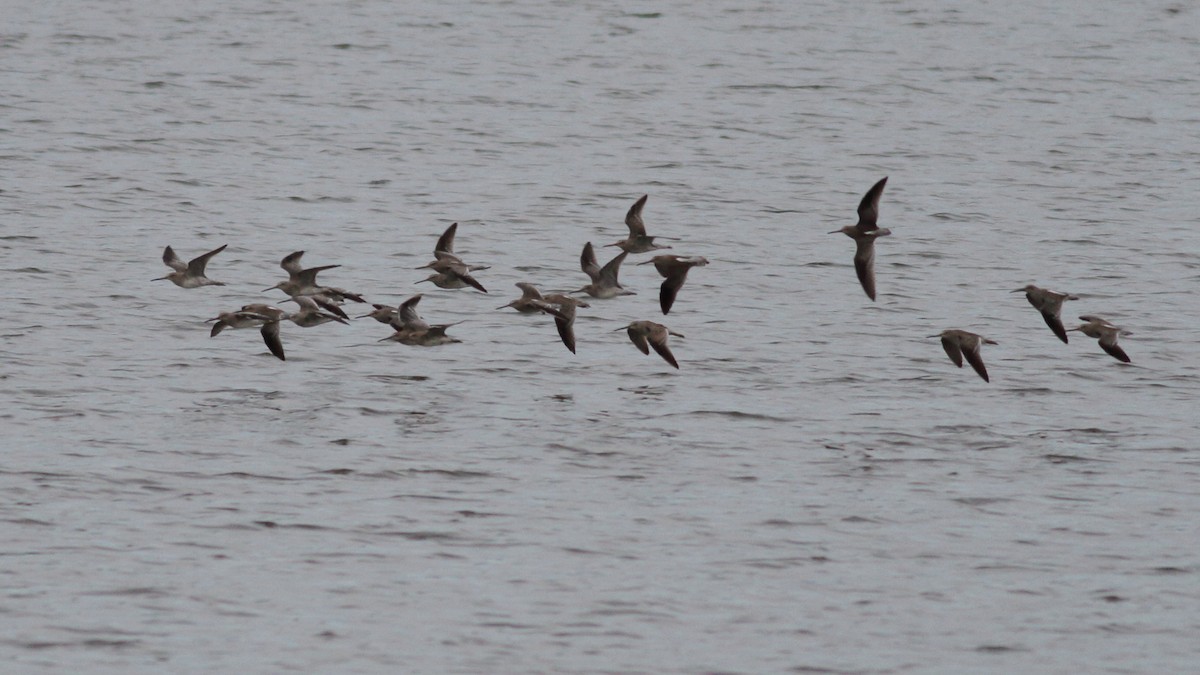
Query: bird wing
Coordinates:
[270,334]
[171,260]
[587,261]
[291,263]
[1108,342]
[445,243]
[952,350]
[325,303]
[308,277]
[868,208]
[864,265]
[197,264]
[670,288]
[408,314]
[566,329]
[971,352]
[637,228]
[638,337]
[219,326]
[612,268]
[529,291]
[470,280]
[658,340]
[1053,321]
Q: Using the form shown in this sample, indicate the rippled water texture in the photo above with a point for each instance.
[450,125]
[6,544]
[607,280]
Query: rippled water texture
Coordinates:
[816,489]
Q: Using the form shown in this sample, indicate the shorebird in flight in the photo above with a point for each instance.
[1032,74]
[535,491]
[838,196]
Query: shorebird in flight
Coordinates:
[562,308]
[960,343]
[526,303]
[1107,333]
[638,241]
[604,279]
[190,274]
[1049,303]
[254,316]
[864,233]
[411,329]
[647,334]
[674,268]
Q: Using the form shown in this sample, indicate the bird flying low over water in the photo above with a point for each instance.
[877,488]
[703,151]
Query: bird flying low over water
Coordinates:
[303,281]
[526,303]
[190,274]
[1107,334]
[444,251]
[449,272]
[253,316]
[411,329]
[675,269]
[1049,303]
[604,279]
[647,334]
[864,233]
[638,241]
[960,343]
[562,308]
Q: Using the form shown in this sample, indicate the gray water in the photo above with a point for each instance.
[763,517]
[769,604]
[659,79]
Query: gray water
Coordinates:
[816,489]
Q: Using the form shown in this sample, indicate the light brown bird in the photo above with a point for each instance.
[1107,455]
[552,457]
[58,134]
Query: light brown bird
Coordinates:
[675,269]
[1107,333]
[190,274]
[864,233]
[525,303]
[1049,303]
[960,343]
[647,334]
[303,281]
[638,241]
[604,279]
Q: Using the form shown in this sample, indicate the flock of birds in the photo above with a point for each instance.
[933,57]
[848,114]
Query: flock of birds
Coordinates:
[322,304]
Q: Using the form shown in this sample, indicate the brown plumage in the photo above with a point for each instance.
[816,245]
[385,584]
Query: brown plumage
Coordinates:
[674,268]
[960,343]
[864,233]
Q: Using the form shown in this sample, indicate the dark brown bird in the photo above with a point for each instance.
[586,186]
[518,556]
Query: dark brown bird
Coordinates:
[675,269]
